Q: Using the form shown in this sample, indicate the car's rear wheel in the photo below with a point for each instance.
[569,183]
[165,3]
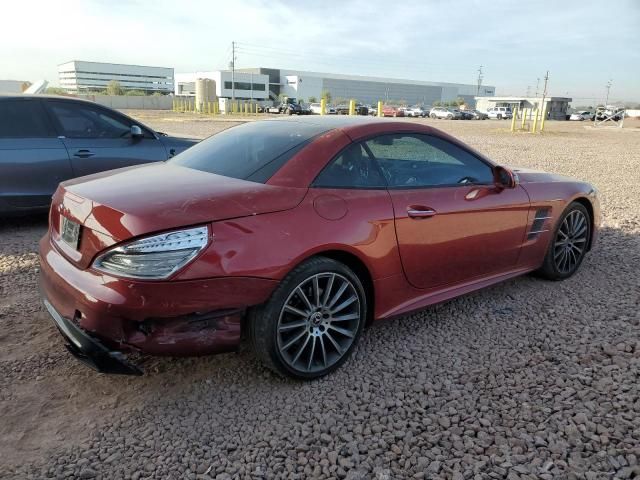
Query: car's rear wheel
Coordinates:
[569,243]
[433,116]
[312,322]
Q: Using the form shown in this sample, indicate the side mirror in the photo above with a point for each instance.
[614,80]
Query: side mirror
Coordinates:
[136,132]
[504,178]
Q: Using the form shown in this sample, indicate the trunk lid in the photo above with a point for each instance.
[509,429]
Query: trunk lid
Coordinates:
[115,206]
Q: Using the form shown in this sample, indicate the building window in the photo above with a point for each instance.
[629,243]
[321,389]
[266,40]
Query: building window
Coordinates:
[261,87]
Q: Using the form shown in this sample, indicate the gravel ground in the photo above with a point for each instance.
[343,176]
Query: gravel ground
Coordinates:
[529,379]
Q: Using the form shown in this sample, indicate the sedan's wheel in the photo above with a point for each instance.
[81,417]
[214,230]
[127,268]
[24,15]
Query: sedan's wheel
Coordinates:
[311,323]
[569,243]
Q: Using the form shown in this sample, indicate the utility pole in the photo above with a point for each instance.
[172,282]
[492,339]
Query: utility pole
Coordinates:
[537,86]
[606,102]
[544,94]
[479,80]
[233,71]
[528,91]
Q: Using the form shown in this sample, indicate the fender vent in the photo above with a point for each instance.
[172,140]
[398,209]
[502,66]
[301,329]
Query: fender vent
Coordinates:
[539,223]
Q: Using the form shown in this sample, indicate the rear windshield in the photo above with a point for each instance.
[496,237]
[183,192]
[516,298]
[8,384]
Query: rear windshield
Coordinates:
[252,151]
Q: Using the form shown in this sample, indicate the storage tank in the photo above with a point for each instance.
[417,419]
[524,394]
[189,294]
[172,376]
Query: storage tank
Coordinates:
[205,92]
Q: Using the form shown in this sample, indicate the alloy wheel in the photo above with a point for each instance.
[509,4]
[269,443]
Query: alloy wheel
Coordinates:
[318,322]
[571,241]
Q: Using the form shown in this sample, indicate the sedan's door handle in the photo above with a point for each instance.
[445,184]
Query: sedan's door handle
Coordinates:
[84,154]
[418,211]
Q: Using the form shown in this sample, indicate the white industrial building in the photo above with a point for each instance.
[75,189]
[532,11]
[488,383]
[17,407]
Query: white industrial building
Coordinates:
[556,107]
[248,86]
[81,77]
[272,84]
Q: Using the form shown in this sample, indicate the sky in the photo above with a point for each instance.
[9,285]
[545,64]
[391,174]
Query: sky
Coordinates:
[582,44]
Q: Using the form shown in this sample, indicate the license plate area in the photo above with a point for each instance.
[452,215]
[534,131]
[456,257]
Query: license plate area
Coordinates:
[70,232]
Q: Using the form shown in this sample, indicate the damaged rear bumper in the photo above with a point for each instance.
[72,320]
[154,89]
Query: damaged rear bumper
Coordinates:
[103,317]
[89,350]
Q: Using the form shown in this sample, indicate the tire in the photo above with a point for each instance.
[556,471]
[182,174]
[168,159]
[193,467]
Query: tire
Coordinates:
[499,117]
[564,254]
[433,116]
[296,338]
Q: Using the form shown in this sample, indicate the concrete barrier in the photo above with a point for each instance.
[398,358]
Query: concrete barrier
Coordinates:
[120,102]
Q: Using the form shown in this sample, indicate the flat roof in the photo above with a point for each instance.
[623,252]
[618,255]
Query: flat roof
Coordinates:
[111,63]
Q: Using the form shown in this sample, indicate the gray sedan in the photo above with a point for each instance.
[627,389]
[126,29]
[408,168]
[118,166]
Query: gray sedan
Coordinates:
[45,140]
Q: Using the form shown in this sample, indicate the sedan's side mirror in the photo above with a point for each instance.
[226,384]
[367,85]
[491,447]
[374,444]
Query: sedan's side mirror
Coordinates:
[136,132]
[504,178]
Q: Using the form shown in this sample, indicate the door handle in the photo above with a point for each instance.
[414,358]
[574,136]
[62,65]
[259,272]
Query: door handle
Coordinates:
[84,154]
[418,211]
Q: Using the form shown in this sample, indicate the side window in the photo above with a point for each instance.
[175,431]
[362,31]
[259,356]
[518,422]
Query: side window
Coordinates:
[414,160]
[24,119]
[83,121]
[352,168]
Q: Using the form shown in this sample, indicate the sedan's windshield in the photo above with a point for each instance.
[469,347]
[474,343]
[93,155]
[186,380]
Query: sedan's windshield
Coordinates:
[252,151]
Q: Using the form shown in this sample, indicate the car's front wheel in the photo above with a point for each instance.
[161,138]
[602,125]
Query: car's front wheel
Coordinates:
[312,322]
[569,243]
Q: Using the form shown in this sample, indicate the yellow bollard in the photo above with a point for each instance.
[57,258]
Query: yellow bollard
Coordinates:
[535,120]
[524,117]
[544,116]
[513,119]
[352,107]
[323,106]
[380,108]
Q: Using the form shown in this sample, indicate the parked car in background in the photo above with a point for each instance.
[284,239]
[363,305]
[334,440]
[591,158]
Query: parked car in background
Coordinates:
[464,114]
[478,115]
[315,108]
[306,109]
[289,108]
[373,111]
[499,113]
[390,111]
[295,234]
[45,140]
[446,113]
[581,116]
[360,109]
[416,112]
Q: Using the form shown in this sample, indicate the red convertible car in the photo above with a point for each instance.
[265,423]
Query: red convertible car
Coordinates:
[294,235]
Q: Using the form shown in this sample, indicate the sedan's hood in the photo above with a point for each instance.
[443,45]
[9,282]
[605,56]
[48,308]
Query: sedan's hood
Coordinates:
[137,200]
